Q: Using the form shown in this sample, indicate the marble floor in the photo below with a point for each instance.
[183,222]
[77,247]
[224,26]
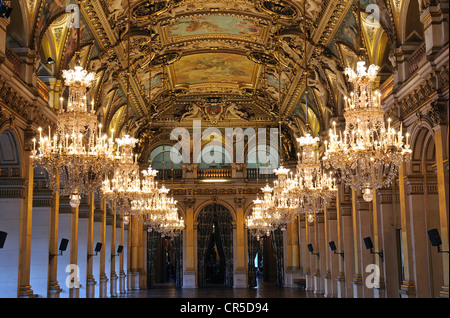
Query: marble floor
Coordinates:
[264,290]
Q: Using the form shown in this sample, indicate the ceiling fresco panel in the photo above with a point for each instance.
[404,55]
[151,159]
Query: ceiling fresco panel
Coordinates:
[213,68]
[212,25]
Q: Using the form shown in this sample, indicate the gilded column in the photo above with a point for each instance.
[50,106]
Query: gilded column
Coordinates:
[134,267]
[340,279]
[388,227]
[318,289]
[418,240]
[74,287]
[189,275]
[441,141]
[378,283]
[122,274]
[113,274]
[26,212]
[320,260]
[142,261]
[129,253]
[347,241]
[357,277]
[292,268]
[328,284]
[309,258]
[90,280]
[240,274]
[103,277]
[302,246]
[407,288]
[53,288]
[364,229]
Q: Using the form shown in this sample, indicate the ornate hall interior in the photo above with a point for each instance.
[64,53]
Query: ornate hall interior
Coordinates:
[224,148]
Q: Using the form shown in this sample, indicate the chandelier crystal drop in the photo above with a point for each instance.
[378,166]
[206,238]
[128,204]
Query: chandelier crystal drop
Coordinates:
[77,156]
[367,154]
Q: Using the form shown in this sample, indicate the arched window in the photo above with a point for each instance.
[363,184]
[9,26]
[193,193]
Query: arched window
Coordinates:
[172,158]
[214,156]
[268,159]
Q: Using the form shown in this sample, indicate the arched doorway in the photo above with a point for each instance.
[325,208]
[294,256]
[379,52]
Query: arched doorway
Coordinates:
[164,259]
[265,259]
[215,246]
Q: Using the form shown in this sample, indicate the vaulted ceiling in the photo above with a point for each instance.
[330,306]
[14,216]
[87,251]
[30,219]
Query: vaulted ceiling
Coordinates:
[225,62]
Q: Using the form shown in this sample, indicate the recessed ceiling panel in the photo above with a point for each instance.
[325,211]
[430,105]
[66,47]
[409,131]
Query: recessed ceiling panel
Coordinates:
[214,25]
[213,68]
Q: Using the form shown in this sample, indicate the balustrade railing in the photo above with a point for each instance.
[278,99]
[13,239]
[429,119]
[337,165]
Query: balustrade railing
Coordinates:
[415,58]
[214,173]
[252,173]
[167,174]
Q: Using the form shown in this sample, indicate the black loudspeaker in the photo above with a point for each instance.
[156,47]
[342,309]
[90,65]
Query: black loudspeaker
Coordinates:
[310,247]
[2,238]
[368,242]
[119,249]
[98,247]
[63,244]
[435,238]
[332,245]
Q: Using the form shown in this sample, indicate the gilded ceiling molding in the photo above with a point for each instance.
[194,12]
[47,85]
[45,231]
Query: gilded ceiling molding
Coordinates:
[113,44]
[320,35]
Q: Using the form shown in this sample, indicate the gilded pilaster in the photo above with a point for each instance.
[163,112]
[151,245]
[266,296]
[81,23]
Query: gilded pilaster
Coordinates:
[74,289]
[442,163]
[357,277]
[103,276]
[113,275]
[53,288]
[407,288]
[90,280]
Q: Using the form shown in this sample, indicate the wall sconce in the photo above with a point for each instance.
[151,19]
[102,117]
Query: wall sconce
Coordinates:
[62,248]
[2,238]
[98,248]
[311,250]
[50,61]
[333,248]
[119,250]
[435,240]
[369,246]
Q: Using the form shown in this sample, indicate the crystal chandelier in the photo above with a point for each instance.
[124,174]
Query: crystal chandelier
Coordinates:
[159,213]
[78,154]
[125,184]
[284,205]
[367,154]
[259,222]
[311,184]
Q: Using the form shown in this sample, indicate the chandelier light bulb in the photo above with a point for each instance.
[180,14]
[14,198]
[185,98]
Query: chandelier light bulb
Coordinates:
[367,195]
[75,200]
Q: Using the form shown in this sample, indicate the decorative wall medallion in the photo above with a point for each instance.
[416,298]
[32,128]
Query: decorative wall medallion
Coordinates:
[166,59]
[279,8]
[145,9]
[262,58]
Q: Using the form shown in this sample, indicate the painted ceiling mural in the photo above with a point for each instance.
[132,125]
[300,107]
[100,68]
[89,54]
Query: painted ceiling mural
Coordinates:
[223,59]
